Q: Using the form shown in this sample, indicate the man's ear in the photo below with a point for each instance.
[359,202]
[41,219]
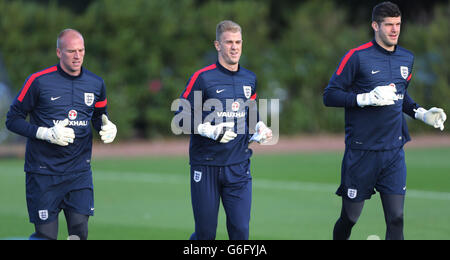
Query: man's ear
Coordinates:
[58,53]
[217,45]
[375,26]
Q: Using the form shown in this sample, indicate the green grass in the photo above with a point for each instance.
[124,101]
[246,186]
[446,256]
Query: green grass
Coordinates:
[293,198]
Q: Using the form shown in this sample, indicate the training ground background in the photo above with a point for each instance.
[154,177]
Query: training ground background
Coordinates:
[142,191]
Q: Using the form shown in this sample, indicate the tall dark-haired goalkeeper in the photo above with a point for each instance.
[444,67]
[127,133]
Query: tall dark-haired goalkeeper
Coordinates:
[371,83]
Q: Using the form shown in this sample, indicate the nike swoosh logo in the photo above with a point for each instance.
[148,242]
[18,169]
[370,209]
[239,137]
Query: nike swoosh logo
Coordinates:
[220,91]
[54,98]
[375,72]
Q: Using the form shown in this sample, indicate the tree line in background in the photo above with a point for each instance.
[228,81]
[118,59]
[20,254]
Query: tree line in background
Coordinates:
[147,50]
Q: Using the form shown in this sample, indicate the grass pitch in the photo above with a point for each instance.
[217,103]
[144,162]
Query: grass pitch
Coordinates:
[293,198]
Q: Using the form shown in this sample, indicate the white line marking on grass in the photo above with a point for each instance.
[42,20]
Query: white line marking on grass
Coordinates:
[294,185]
[257,183]
[169,178]
[14,238]
[433,195]
[145,177]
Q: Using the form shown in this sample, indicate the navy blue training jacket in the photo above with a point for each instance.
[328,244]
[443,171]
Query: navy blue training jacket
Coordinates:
[232,90]
[360,71]
[50,96]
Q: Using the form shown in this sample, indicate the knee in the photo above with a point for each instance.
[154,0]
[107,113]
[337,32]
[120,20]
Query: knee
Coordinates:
[395,219]
[350,219]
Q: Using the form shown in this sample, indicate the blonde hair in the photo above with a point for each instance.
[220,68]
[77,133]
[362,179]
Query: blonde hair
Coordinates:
[226,26]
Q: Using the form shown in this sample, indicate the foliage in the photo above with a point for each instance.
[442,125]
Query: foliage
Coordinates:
[147,50]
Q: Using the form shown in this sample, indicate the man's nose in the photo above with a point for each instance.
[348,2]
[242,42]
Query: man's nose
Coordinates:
[396,28]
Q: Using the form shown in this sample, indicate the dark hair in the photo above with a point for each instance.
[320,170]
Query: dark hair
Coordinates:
[383,10]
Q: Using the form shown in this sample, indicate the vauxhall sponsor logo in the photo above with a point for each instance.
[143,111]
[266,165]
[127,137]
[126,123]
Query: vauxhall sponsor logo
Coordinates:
[231,114]
[235,106]
[73,123]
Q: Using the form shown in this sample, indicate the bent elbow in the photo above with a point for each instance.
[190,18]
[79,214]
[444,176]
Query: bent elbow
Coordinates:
[8,123]
[326,99]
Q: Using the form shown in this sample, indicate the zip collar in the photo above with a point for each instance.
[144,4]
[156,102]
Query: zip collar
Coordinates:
[66,75]
[383,50]
[225,70]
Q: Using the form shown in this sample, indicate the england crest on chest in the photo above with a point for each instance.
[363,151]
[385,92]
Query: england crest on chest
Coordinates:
[404,71]
[247,91]
[89,99]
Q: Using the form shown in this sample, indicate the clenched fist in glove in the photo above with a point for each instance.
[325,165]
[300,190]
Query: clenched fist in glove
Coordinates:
[380,96]
[109,130]
[217,132]
[434,116]
[59,134]
[263,134]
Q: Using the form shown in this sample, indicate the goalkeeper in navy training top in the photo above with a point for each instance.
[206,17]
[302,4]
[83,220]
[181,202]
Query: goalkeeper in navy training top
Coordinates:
[61,101]
[218,152]
[371,83]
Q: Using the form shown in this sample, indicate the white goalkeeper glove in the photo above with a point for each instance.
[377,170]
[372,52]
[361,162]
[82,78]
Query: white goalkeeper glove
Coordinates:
[380,96]
[263,134]
[109,130]
[59,134]
[218,132]
[434,116]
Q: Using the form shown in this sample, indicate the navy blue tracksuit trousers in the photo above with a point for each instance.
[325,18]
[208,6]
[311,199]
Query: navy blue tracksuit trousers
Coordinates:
[233,184]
